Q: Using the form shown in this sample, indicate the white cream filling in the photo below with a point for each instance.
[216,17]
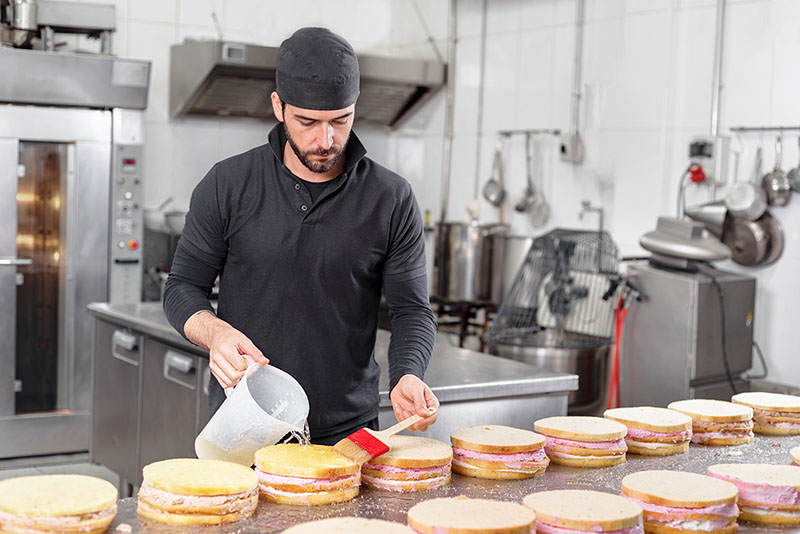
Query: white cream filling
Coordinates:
[765,511]
[272,491]
[576,457]
[468,466]
[703,525]
[650,444]
[378,481]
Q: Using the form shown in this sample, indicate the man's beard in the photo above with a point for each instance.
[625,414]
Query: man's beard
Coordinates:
[305,157]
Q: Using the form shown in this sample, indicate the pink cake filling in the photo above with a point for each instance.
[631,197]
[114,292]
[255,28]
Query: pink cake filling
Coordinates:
[698,438]
[735,425]
[25,522]
[618,444]
[763,416]
[762,494]
[726,511]
[516,460]
[404,485]
[410,472]
[673,437]
[268,478]
[162,498]
[544,528]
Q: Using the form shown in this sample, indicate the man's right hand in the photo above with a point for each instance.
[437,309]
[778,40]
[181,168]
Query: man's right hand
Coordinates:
[226,347]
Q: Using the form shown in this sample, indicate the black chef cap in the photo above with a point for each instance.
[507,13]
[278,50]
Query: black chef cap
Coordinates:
[317,69]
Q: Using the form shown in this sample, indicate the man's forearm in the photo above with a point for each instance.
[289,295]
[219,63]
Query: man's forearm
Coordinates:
[201,327]
[413,328]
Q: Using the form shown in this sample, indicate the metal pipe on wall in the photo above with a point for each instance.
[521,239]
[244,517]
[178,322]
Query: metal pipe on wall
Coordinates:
[447,152]
[577,69]
[481,84]
[716,88]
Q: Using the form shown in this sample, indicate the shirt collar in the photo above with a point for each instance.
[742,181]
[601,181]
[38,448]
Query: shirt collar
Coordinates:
[353,153]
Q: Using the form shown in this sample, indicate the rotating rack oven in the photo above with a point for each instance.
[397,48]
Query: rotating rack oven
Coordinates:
[70,222]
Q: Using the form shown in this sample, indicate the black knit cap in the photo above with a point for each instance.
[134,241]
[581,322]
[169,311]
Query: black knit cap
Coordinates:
[317,69]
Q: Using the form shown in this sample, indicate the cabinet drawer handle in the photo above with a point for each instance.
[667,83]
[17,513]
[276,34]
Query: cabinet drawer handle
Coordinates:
[127,342]
[182,364]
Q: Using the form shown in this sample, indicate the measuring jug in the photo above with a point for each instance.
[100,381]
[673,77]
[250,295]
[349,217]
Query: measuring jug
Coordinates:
[265,405]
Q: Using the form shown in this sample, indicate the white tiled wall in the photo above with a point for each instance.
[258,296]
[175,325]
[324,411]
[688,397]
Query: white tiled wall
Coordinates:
[179,152]
[646,93]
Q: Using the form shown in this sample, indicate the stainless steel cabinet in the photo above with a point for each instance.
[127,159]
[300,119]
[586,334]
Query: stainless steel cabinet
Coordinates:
[169,403]
[150,401]
[115,418]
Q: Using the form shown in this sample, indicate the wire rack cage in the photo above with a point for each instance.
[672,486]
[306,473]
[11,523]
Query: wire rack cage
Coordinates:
[567,284]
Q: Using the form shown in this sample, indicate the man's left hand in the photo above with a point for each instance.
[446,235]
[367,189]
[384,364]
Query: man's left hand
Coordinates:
[411,396]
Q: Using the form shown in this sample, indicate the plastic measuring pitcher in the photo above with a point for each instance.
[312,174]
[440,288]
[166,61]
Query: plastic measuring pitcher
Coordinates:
[265,406]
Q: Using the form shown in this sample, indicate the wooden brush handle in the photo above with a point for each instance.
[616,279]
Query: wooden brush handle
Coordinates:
[399,427]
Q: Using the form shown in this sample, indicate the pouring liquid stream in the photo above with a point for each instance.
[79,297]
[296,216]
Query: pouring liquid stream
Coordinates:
[303,436]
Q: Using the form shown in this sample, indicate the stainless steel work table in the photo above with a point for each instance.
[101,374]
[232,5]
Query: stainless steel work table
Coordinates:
[393,506]
[473,388]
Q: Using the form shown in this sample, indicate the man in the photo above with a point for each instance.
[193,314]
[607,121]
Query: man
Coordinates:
[304,233]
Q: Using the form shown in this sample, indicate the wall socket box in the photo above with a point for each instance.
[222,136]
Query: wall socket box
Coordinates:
[571,148]
[713,153]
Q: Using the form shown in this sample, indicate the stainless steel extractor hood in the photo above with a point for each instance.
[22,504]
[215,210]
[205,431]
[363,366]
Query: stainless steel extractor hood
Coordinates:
[235,79]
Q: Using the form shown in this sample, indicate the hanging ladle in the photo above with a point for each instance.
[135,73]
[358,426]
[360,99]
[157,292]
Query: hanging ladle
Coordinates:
[529,195]
[493,191]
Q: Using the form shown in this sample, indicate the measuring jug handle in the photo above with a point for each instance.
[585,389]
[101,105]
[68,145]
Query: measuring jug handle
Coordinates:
[251,364]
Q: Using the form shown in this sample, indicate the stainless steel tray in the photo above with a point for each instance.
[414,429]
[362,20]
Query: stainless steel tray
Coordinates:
[393,506]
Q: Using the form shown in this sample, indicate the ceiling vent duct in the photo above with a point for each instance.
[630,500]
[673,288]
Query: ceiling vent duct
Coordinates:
[218,78]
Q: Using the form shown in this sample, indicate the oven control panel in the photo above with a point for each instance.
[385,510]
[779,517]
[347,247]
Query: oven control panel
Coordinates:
[127,224]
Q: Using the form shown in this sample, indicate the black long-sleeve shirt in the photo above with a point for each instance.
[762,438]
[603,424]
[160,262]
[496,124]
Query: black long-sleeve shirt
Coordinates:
[302,279]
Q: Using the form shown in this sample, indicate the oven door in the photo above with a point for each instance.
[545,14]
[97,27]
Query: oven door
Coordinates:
[54,217]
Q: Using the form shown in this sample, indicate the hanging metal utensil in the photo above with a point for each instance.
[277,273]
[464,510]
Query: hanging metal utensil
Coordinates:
[794,175]
[540,211]
[776,183]
[530,194]
[748,200]
[493,191]
[757,165]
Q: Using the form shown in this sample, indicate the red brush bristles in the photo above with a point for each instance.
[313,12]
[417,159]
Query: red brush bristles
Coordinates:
[374,446]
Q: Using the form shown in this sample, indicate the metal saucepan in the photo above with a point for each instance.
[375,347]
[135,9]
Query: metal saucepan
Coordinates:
[493,191]
[776,183]
[747,200]
[794,176]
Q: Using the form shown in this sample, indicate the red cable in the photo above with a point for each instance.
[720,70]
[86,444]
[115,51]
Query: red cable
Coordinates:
[619,320]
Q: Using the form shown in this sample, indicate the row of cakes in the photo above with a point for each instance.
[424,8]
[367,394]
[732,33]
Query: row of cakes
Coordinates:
[655,502]
[318,475]
[651,501]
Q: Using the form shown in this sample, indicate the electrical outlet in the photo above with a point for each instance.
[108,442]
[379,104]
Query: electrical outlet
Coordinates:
[17,386]
[572,149]
[713,154]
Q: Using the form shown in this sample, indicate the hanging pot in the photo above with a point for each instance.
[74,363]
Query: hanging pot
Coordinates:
[776,183]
